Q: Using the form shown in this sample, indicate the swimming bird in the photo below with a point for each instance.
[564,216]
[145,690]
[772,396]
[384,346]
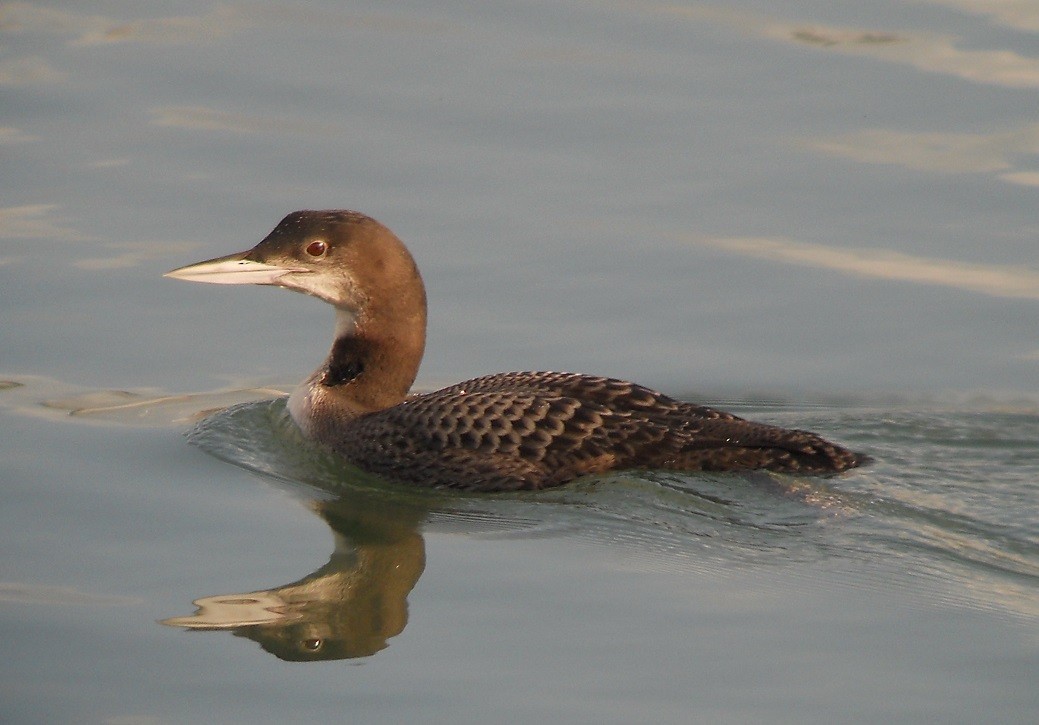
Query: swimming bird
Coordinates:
[509,431]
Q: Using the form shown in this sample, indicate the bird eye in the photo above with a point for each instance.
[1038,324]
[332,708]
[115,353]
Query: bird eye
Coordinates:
[317,248]
[312,644]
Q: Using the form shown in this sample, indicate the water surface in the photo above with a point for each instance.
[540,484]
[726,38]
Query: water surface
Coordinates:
[816,214]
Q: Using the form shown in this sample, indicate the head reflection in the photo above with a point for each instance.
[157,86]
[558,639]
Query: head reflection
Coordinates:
[348,608]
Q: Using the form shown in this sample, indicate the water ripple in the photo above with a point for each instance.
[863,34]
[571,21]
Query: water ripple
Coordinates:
[948,502]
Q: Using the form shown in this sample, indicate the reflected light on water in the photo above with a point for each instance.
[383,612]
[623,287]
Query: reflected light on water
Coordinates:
[28,71]
[955,153]
[35,221]
[92,29]
[1018,14]
[927,52]
[1023,178]
[210,119]
[998,281]
[130,254]
[10,135]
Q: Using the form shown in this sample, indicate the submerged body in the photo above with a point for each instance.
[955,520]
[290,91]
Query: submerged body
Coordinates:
[524,430]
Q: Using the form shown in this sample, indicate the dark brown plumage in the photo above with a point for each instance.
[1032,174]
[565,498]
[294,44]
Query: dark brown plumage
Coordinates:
[538,429]
[524,430]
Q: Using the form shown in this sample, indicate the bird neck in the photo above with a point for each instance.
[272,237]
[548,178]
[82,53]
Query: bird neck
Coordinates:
[376,355]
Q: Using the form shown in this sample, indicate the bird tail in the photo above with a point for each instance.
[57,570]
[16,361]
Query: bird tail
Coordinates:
[764,447]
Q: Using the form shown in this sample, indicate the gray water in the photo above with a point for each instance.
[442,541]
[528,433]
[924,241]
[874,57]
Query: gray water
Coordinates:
[815,214]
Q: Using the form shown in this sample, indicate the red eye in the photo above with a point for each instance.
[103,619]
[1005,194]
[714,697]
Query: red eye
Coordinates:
[317,249]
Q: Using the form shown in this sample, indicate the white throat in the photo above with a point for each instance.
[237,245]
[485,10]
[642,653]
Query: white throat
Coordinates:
[308,398]
[346,323]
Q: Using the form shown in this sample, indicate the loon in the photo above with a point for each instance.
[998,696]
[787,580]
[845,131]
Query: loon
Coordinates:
[503,432]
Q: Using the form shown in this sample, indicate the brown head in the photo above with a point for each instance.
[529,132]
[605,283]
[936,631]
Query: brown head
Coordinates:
[361,268]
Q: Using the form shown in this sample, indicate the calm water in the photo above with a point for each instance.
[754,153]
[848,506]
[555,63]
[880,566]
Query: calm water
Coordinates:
[815,214]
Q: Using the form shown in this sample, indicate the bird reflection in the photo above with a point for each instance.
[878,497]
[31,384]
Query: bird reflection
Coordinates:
[349,607]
